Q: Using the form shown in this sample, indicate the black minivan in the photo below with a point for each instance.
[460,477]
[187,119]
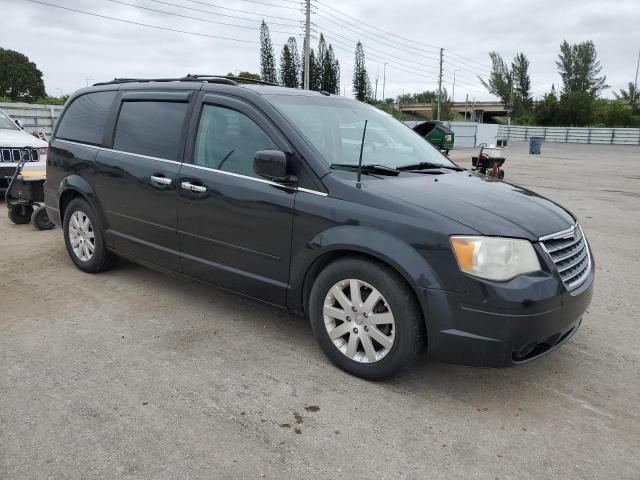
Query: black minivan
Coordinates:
[322,205]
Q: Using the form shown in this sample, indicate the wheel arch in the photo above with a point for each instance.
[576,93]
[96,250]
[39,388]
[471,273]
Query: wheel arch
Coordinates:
[331,246]
[74,186]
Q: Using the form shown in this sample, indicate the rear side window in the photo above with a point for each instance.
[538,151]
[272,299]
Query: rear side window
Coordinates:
[85,119]
[151,128]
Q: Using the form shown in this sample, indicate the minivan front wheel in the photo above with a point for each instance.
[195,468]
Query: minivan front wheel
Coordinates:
[365,318]
[84,238]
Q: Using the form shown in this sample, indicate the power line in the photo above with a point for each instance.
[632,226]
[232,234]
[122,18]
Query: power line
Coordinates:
[191,18]
[208,4]
[227,15]
[373,37]
[371,26]
[376,50]
[412,43]
[144,24]
[274,5]
[385,59]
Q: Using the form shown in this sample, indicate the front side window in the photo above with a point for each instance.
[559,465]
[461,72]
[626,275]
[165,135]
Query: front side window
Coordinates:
[228,140]
[6,123]
[151,128]
[85,119]
[334,127]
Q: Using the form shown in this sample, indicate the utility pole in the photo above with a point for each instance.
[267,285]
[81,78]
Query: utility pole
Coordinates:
[453,93]
[384,78]
[307,43]
[635,85]
[440,85]
[466,107]
[375,95]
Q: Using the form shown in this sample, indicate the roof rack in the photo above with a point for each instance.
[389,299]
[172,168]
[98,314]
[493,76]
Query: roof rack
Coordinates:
[222,79]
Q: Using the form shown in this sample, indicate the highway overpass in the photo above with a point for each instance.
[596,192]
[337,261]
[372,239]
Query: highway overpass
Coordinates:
[474,111]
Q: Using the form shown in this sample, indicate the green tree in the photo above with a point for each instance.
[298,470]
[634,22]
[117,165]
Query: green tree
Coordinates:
[575,109]
[321,54]
[500,80]
[267,58]
[330,72]
[20,79]
[613,113]
[290,64]
[545,112]
[629,96]
[314,74]
[522,101]
[361,84]
[248,75]
[580,69]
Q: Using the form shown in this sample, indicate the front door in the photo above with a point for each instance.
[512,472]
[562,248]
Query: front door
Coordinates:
[137,178]
[234,227]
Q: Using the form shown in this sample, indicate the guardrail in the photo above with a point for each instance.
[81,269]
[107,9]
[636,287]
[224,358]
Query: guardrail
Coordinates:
[607,136]
[34,117]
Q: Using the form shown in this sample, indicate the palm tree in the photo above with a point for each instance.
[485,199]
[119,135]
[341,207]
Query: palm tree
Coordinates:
[629,96]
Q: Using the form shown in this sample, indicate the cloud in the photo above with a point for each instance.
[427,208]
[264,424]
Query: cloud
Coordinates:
[71,47]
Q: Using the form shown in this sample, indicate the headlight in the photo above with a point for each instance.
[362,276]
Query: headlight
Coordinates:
[447,138]
[42,155]
[495,258]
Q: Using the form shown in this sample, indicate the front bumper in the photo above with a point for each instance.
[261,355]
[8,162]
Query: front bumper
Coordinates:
[499,325]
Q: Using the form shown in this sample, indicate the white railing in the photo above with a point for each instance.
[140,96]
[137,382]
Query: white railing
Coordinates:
[608,136]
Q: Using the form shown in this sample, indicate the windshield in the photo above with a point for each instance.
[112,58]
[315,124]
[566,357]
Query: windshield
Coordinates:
[6,123]
[334,127]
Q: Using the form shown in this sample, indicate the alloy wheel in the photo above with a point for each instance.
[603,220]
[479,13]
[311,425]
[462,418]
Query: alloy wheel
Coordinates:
[82,236]
[359,321]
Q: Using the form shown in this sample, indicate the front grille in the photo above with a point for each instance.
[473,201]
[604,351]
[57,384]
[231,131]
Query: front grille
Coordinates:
[13,155]
[570,254]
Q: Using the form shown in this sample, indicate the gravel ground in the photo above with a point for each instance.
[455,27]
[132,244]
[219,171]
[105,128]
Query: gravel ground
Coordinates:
[132,374]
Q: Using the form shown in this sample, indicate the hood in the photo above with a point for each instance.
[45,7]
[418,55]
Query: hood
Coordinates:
[19,138]
[484,204]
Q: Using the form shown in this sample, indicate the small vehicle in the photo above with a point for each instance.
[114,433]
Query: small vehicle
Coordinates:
[437,134]
[384,244]
[24,192]
[12,139]
[489,161]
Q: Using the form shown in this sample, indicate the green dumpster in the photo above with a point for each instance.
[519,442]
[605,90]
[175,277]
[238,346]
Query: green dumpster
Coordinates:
[436,133]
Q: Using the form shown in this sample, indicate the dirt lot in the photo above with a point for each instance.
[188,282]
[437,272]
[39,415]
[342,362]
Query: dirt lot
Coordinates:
[132,374]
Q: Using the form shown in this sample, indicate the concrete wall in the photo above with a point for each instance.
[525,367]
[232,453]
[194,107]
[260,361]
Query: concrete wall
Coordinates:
[34,117]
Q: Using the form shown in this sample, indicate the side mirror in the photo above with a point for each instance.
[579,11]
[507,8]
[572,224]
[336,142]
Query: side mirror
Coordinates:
[19,124]
[272,165]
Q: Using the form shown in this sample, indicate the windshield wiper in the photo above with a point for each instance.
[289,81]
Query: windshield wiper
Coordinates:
[429,165]
[369,168]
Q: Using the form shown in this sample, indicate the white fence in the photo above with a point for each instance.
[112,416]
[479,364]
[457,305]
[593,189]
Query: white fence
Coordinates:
[609,136]
[34,117]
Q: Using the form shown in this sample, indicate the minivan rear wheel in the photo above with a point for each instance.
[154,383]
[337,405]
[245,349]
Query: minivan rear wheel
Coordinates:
[365,318]
[84,238]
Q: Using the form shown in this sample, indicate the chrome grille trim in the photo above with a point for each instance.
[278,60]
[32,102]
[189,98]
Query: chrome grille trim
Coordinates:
[569,252]
[12,155]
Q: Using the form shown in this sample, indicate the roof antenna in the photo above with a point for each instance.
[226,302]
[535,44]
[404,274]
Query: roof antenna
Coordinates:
[364,132]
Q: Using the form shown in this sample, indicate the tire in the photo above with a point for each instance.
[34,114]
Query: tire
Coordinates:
[40,219]
[85,241]
[20,214]
[406,332]
[501,174]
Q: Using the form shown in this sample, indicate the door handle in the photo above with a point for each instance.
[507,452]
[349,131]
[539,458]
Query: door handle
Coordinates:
[161,180]
[193,188]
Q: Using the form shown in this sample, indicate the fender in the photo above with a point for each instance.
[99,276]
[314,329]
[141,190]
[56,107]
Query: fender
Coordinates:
[80,185]
[397,253]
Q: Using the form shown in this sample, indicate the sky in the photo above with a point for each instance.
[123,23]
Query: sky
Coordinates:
[73,49]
